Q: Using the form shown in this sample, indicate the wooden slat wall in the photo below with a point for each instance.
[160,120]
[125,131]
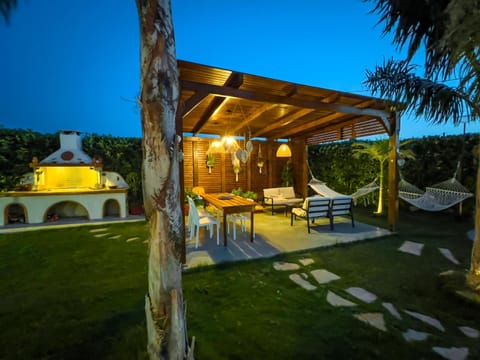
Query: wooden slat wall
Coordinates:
[222,177]
[258,181]
[188,164]
[300,170]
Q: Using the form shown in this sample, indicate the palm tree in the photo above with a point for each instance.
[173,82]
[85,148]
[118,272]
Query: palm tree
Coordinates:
[379,151]
[450,31]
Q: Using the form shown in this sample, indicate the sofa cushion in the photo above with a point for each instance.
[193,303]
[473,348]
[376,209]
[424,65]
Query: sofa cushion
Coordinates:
[280,196]
[287,192]
[271,192]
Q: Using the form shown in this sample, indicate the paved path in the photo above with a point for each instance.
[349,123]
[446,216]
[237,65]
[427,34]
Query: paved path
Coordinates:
[274,235]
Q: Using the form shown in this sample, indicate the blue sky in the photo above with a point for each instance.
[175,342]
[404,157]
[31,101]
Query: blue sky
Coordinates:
[75,64]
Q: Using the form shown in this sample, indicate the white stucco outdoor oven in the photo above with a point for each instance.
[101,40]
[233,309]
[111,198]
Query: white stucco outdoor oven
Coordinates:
[67,184]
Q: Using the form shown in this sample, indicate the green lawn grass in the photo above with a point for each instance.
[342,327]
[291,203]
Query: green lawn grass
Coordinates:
[66,294]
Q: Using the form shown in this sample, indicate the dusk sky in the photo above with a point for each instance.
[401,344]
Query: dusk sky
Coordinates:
[75,64]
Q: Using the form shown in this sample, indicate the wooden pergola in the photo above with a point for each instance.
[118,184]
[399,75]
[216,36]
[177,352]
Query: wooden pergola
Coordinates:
[224,102]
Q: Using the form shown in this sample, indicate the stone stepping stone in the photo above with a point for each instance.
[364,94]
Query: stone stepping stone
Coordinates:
[426,319]
[115,237]
[452,353]
[362,294]
[101,235]
[297,279]
[323,276]
[133,239]
[98,230]
[448,254]
[373,319]
[470,332]
[284,266]
[306,261]
[336,300]
[411,247]
[392,310]
[413,335]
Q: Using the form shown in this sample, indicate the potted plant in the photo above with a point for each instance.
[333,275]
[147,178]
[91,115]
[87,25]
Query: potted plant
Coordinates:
[188,193]
[287,174]
[245,194]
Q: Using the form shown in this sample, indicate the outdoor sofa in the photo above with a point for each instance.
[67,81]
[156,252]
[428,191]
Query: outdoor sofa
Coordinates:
[280,196]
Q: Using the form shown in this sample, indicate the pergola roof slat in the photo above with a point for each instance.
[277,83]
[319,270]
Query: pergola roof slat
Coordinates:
[218,101]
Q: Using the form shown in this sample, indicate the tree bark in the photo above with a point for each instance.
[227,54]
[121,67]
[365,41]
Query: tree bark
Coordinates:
[159,97]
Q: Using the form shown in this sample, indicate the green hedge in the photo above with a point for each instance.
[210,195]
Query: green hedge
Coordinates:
[436,160]
[18,147]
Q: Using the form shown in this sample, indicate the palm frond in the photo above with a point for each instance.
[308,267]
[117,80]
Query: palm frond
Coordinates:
[6,7]
[438,102]
[448,29]
[416,22]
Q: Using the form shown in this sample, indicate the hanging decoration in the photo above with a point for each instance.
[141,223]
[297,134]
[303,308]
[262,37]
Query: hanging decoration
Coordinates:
[210,161]
[260,160]
[236,165]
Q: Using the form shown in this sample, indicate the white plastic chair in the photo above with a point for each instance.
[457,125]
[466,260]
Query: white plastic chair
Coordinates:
[201,212]
[196,222]
[242,218]
[234,219]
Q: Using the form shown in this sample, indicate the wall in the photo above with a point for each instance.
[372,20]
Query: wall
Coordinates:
[222,177]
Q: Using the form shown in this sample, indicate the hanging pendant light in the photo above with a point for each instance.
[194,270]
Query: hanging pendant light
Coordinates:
[284,151]
[216,147]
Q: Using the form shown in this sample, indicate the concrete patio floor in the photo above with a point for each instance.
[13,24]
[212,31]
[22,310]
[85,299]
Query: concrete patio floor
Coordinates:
[274,235]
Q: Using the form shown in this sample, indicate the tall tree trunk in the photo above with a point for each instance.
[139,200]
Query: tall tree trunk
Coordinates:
[474,274]
[380,190]
[161,155]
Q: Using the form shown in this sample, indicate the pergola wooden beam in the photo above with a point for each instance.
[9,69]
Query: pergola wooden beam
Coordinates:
[235,80]
[192,103]
[225,91]
[252,117]
[283,121]
[331,99]
[311,125]
[340,126]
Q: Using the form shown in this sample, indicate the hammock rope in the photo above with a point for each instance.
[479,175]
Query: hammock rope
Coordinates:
[437,197]
[321,188]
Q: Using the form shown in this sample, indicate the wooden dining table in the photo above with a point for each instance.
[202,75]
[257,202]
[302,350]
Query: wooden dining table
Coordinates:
[231,204]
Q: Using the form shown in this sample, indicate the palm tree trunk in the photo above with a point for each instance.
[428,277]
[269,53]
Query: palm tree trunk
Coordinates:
[473,277]
[380,191]
[159,98]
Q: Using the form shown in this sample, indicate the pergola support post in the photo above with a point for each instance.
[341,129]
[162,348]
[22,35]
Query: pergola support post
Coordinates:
[299,160]
[393,172]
